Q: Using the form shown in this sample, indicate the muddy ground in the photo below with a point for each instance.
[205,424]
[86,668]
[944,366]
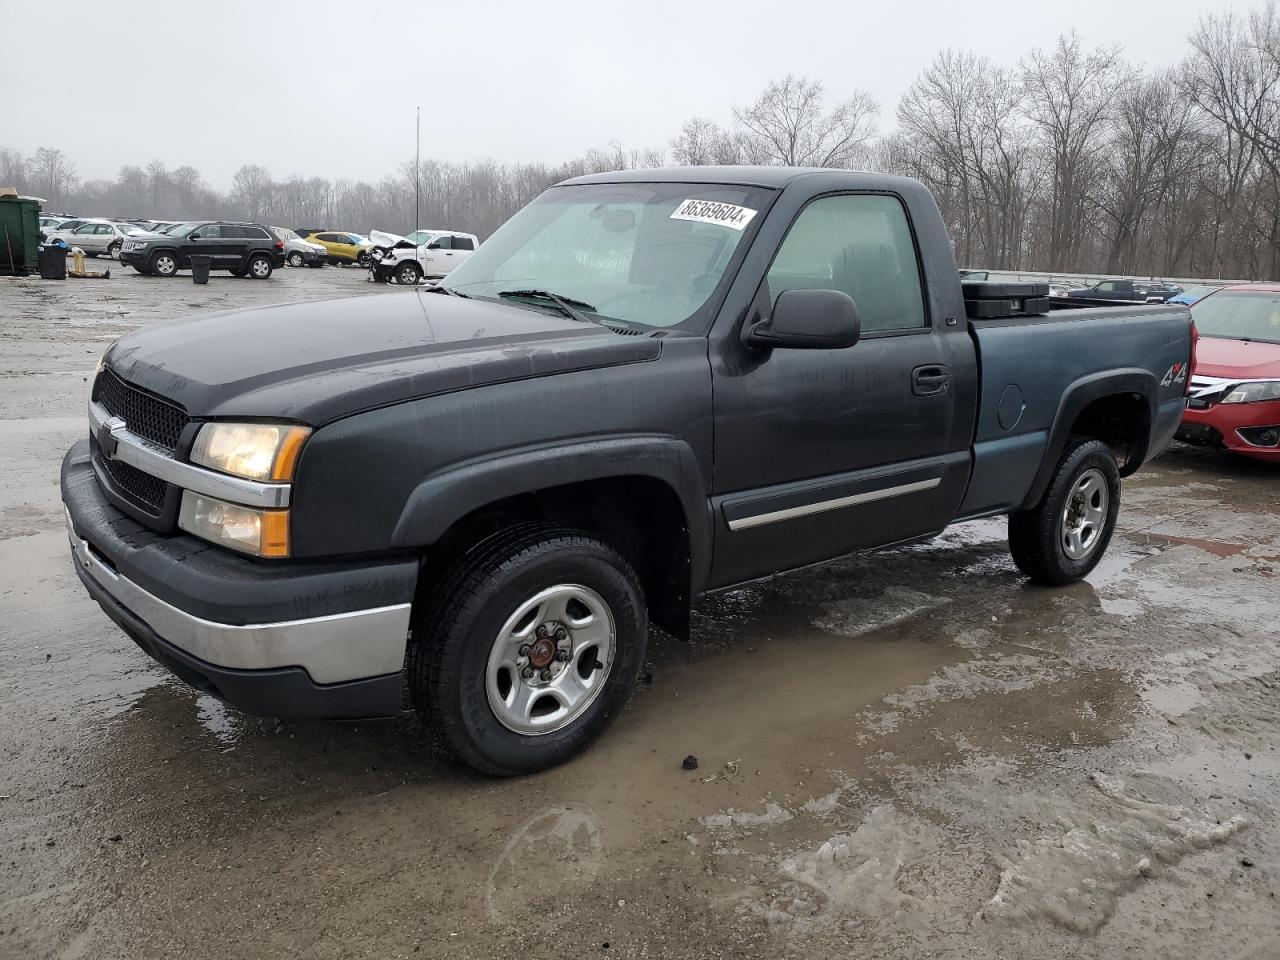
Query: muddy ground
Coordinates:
[908,754]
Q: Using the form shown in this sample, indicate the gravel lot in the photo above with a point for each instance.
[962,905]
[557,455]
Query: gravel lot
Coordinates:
[907,754]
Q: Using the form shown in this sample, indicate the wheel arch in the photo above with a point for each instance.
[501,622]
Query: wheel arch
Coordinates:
[1116,406]
[642,495]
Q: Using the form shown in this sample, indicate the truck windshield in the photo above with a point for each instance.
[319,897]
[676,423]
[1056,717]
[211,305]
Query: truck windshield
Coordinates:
[1239,315]
[645,253]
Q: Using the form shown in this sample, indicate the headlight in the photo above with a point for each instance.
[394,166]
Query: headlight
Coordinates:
[255,451]
[263,533]
[1253,392]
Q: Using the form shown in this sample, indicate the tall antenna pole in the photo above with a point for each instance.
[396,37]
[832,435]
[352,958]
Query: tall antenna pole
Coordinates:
[417,175]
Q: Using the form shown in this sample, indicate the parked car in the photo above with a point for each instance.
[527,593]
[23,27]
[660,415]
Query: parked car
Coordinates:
[343,247]
[1130,291]
[69,224]
[1191,295]
[239,248]
[299,252]
[439,253]
[50,224]
[97,237]
[1235,380]
[635,393]
[1060,288]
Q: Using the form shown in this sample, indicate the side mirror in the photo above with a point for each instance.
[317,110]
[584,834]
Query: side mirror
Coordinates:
[808,320]
[433,246]
[193,236]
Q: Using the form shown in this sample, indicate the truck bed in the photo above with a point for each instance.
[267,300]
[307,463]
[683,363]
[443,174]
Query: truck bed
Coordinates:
[1033,366]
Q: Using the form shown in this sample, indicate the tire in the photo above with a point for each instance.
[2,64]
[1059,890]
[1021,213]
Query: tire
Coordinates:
[164,264]
[408,273]
[113,251]
[1062,539]
[295,259]
[259,266]
[466,626]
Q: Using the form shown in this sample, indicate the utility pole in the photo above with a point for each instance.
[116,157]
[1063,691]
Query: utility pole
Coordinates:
[417,175]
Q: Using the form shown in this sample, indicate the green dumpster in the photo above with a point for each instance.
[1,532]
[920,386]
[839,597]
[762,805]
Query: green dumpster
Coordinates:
[19,234]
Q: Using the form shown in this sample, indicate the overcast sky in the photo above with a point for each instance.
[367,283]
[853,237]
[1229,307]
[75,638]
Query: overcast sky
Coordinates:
[316,88]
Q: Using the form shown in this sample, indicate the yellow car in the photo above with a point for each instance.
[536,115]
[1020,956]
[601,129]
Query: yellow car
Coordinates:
[343,247]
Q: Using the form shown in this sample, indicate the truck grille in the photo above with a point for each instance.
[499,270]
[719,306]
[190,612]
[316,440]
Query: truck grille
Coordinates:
[144,489]
[157,420]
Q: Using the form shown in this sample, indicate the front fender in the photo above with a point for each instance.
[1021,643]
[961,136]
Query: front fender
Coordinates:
[448,495]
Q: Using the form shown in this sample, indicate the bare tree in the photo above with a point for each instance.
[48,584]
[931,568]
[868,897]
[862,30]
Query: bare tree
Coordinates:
[52,175]
[703,142]
[1070,94]
[788,125]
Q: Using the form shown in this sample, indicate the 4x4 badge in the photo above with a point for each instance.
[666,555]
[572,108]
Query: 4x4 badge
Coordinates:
[107,440]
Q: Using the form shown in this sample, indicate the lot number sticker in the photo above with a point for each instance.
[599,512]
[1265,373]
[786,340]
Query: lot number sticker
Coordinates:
[708,211]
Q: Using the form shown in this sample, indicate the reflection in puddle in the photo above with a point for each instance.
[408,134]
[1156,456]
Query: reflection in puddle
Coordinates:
[548,855]
[214,716]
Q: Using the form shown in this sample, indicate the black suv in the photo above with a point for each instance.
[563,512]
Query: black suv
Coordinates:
[240,248]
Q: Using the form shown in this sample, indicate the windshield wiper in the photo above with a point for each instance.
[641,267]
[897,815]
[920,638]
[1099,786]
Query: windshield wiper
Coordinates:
[453,293]
[565,304]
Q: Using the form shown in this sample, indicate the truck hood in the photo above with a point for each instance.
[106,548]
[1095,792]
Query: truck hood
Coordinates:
[1246,359]
[318,361]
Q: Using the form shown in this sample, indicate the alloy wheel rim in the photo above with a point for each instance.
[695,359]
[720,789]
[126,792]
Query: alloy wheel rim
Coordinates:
[1084,516]
[259,268]
[551,659]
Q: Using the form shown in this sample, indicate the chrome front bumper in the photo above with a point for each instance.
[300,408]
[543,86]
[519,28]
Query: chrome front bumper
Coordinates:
[331,649]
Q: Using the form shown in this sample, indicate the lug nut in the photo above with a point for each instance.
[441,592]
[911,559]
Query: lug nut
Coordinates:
[545,675]
[563,656]
[524,649]
[527,673]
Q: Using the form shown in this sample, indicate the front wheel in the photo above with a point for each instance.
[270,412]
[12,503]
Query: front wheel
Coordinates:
[164,264]
[528,649]
[1062,539]
[295,259]
[408,273]
[113,251]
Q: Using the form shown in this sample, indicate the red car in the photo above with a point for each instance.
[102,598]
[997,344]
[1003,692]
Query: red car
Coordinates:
[1234,400]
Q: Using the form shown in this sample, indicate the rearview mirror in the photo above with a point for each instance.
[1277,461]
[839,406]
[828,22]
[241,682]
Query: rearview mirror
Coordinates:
[809,320]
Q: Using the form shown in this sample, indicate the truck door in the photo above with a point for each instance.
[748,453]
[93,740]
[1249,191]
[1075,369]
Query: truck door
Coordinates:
[822,452]
[440,255]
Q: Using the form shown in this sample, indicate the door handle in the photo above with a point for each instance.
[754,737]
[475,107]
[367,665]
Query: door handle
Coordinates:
[931,380]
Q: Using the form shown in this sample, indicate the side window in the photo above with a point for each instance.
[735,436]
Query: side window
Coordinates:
[230,231]
[463,243]
[87,229]
[257,233]
[860,244]
[444,242]
[1109,286]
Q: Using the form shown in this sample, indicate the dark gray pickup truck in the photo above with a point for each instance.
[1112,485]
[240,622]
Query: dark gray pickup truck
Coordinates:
[646,387]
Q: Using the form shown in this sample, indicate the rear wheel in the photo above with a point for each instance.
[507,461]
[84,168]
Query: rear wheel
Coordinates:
[528,649]
[259,266]
[164,264]
[1062,539]
[295,259]
[408,273]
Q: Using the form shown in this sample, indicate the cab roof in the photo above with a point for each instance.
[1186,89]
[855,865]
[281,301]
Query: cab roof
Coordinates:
[774,178]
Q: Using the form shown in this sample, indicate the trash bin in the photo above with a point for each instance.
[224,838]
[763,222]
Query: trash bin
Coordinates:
[53,263]
[200,269]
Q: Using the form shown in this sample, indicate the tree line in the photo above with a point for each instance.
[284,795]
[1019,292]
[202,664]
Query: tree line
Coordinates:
[1069,159]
